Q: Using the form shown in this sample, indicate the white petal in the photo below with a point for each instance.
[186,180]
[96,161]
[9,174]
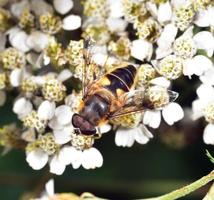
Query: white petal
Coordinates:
[63,114]
[208,136]
[124,137]
[211,15]
[116,24]
[18,41]
[49,187]
[105,128]
[116,8]
[146,131]
[55,125]
[204,40]
[2,97]
[18,8]
[63,6]
[37,41]
[140,137]
[16,77]
[208,76]
[40,7]
[152,118]
[56,167]
[197,65]
[152,8]
[141,49]
[71,22]
[172,113]
[22,106]
[178,3]
[202,18]
[92,158]
[164,12]
[167,36]
[37,159]
[197,108]
[64,75]
[65,155]
[205,92]
[161,81]
[62,136]
[46,110]
[76,158]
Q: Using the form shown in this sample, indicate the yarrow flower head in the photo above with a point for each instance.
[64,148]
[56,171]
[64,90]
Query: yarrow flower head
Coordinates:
[184,47]
[183,16]
[12,58]
[171,67]
[53,90]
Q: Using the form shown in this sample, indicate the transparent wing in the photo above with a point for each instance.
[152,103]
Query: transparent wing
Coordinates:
[91,71]
[140,100]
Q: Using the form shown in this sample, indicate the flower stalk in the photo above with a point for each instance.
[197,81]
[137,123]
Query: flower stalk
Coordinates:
[186,189]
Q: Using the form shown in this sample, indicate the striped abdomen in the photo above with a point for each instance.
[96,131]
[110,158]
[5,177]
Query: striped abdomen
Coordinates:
[121,79]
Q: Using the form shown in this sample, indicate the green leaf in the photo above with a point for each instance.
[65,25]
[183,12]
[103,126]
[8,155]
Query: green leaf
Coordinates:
[209,156]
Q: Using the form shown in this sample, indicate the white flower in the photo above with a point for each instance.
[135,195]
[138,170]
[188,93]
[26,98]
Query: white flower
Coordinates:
[64,75]
[204,17]
[152,118]
[22,107]
[141,49]
[171,114]
[46,110]
[166,40]
[37,159]
[37,41]
[17,8]
[205,95]
[18,39]
[116,24]
[116,8]
[208,136]
[125,137]
[208,77]
[16,77]
[164,12]
[71,22]
[205,40]
[63,114]
[56,166]
[89,158]
[63,6]
[63,134]
[198,65]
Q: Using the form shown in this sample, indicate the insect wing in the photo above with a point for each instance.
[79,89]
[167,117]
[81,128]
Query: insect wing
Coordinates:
[138,101]
[90,71]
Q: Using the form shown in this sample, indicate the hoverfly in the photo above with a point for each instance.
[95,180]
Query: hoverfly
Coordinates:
[108,96]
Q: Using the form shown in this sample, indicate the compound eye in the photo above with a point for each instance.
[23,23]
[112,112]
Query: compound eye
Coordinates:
[77,121]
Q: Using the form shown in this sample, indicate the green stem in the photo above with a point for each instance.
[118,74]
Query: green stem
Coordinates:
[187,189]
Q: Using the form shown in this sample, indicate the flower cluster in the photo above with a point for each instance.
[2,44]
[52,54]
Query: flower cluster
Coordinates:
[43,68]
